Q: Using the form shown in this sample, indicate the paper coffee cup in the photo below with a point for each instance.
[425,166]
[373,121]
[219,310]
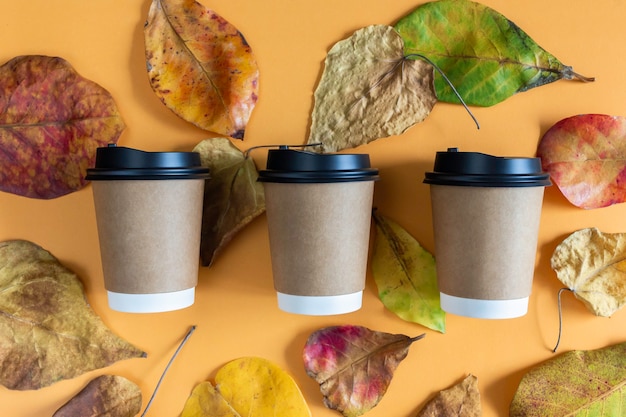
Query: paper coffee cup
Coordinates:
[149,213]
[486,213]
[319,214]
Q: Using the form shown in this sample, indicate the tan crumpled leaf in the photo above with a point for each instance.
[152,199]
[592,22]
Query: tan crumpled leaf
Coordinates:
[460,400]
[248,387]
[576,383]
[48,332]
[200,66]
[592,265]
[232,197]
[369,91]
[104,396]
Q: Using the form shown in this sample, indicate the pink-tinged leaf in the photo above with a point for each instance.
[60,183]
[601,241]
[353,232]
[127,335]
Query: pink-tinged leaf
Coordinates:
[200,66]
[586,157]
[51,122]
[354,365]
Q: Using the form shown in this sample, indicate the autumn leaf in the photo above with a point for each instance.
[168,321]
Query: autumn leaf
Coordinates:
[586,157]
[51,122]
[487,57]
[232,198]
[200,66]
[369,91]
[460,400]
[354,365]
[48,332]
[592,265]
[576,383]
[406,276]
[104,396]
[248,387]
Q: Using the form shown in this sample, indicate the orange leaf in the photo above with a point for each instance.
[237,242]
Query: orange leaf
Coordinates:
[200,66]
[586,157]
[51,122]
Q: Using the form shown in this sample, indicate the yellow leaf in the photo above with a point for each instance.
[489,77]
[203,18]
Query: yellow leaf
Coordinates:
[250,387]
[592,265]
[200,66]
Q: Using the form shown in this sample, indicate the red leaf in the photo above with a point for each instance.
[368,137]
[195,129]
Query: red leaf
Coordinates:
[586,157]
[51,122]
[354,365]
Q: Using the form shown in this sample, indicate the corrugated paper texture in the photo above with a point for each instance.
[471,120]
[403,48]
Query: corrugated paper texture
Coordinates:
[486,240]
[319,236]
[149,234]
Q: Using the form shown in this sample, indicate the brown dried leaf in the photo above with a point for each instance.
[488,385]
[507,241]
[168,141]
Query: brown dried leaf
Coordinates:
[369,90]
[104,396]
[354,365]
[51,122]
[48,332]
[461,400]
[232,197]
[592,265]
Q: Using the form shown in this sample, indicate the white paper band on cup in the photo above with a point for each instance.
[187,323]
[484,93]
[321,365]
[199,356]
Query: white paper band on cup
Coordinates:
[151,303]
[484,309]
[321,305]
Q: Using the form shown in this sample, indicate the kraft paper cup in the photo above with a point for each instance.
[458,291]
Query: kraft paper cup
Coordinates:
[319,214]
[149,213]
[486,212]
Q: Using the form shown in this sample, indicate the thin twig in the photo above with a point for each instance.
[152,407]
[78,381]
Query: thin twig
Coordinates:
[447,80]
[558,341]
[180,346]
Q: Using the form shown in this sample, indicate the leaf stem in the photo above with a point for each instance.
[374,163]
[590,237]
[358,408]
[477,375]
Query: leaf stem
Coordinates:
[180,346]
[416,338]
[447,80]
[245,154]
[558,341]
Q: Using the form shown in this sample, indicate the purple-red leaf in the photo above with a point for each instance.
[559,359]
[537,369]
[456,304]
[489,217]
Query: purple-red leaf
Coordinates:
[51,122]
[586,157]
[354,365]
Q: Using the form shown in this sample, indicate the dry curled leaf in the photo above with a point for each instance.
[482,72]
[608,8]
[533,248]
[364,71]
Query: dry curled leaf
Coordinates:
[104,396]
[232,197]
[406,276]
[369,91]
[51,122]
[48,332]
[248,386]
[576,383]
[200,66]
[592,265]
[586,157]
[354,365]
[460,400]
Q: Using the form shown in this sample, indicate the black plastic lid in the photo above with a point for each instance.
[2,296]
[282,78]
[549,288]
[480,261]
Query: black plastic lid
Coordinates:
[121,163]
[297,166]
[482,170]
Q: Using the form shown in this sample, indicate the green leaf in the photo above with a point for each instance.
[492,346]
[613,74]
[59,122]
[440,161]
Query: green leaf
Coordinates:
[406,276]
[487,57]
[576,383]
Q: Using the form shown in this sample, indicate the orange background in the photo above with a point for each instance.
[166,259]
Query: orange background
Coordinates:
[235,308]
